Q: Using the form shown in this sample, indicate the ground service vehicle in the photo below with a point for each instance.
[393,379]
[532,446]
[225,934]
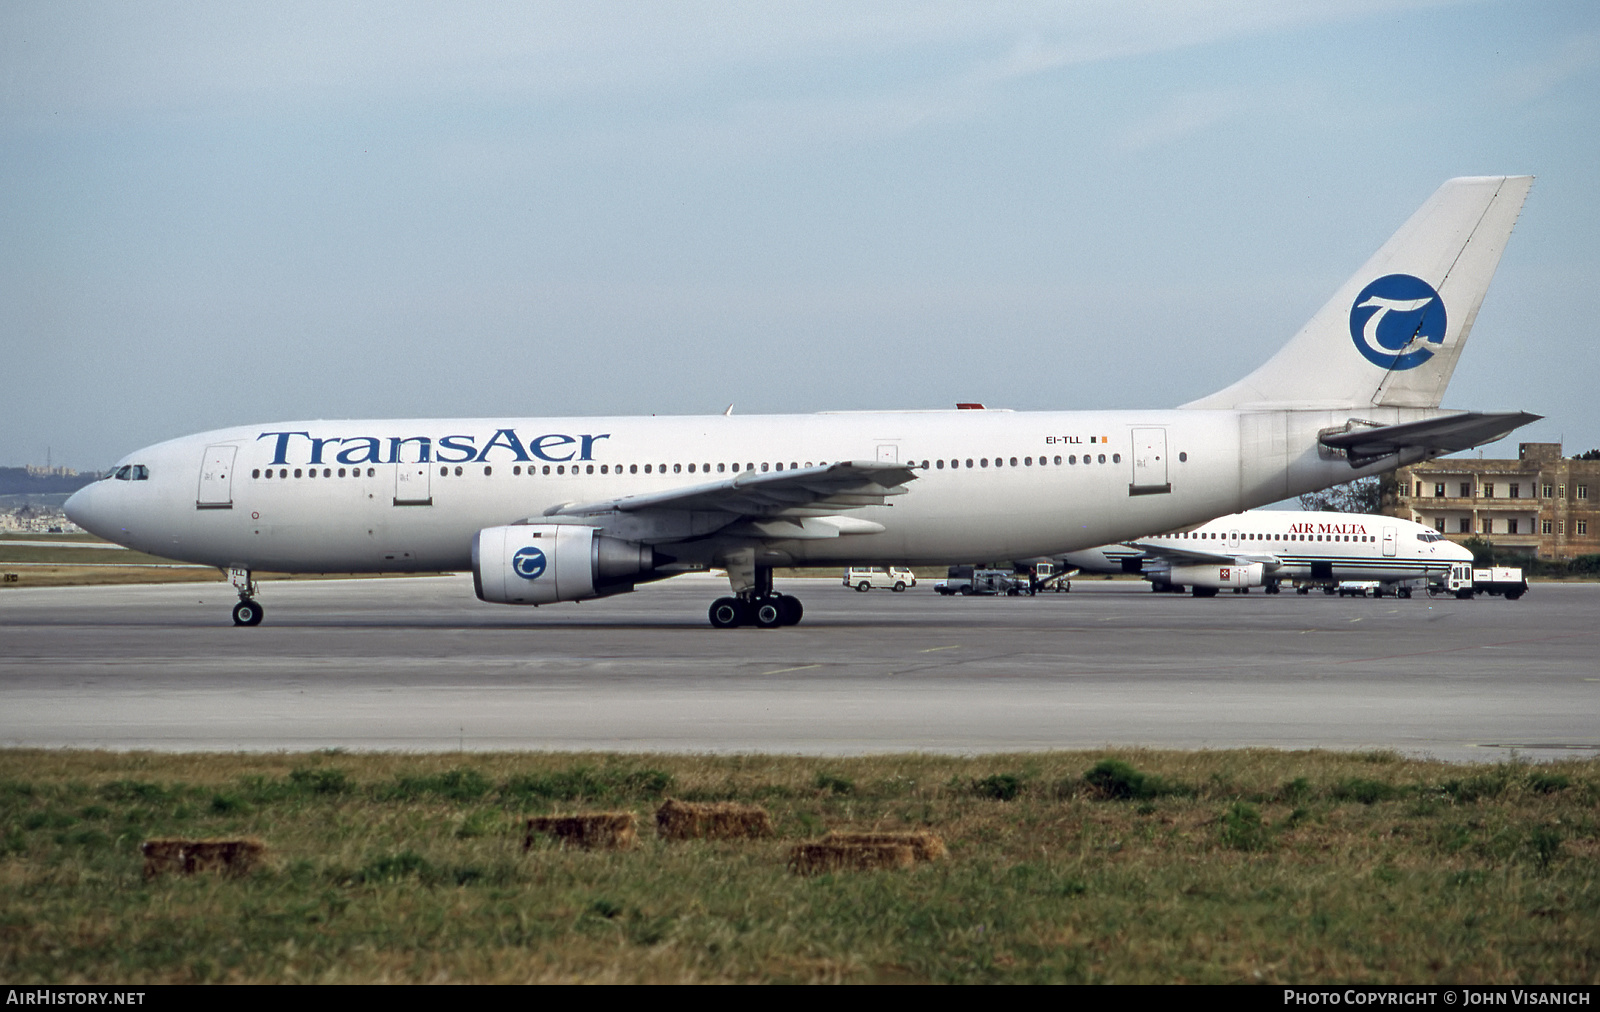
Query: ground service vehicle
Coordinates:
[1501,581]
[1360,588]
[865,578]
[971,580]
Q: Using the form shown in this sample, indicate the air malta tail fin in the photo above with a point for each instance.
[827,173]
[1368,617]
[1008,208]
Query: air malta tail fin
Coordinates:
[1392,334]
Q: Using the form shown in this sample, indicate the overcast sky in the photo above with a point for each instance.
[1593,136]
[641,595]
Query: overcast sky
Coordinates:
[217,214]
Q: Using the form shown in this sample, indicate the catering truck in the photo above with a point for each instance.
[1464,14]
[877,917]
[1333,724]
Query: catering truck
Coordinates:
[1502,581]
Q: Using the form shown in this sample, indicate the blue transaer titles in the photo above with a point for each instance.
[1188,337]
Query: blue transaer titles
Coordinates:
[555,447]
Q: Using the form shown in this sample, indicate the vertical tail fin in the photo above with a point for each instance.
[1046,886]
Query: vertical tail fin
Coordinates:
[1392,334]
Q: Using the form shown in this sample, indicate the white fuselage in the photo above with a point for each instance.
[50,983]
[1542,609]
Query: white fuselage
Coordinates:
[1301,545]
[375,495]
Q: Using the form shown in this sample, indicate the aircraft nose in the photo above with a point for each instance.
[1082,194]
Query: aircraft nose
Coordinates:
[87,508]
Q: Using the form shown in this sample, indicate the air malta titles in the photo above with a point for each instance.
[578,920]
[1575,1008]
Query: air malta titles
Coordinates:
[555,447]
[1327,529]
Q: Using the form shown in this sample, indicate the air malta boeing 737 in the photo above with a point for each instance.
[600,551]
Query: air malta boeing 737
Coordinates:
[1263,548]
[564,509]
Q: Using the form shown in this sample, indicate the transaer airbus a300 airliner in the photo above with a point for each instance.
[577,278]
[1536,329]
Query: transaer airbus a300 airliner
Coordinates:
[564,509]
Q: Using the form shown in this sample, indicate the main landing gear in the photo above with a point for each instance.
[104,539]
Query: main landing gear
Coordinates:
[759,606]
[247,611]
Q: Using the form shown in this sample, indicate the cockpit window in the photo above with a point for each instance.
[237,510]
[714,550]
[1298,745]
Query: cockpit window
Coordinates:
[131,472]
[124,472]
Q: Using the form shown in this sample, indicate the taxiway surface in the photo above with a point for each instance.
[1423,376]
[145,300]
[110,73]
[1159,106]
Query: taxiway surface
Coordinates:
[420,664]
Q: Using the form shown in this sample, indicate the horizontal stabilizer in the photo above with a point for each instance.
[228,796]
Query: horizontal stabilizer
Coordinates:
[1435,436]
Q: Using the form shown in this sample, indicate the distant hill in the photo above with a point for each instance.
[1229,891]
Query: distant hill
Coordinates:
[17,481]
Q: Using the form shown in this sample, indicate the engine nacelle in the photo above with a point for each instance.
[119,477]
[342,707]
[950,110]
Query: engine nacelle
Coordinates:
[545,563]
[1252,574]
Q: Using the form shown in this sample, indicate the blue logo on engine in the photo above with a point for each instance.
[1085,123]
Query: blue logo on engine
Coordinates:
[1398,322]
[528,563]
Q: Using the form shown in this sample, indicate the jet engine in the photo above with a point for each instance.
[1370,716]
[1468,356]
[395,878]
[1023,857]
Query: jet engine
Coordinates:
[1219,577]
[545,563]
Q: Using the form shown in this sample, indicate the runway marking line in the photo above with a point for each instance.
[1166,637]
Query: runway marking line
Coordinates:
[1473,646]
[933,650]
[802,667]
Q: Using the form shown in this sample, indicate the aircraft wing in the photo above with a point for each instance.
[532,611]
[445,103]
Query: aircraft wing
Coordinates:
[1437,436]
[1189,556]
[819,491]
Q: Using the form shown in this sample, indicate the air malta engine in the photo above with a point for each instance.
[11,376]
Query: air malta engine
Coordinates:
[546,563]
[1217,577]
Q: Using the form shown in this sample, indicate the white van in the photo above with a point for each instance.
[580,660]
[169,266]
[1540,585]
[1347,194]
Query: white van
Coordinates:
[864,578]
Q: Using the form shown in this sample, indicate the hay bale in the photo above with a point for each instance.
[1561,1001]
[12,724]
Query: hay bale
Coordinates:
[591,831]
[924,845]
[825,856]
[723,820]
[186,857]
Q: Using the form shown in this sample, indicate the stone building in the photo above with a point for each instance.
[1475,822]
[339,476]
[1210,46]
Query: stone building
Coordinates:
[1541,504]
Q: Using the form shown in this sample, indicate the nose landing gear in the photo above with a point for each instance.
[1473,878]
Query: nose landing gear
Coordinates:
[247,611]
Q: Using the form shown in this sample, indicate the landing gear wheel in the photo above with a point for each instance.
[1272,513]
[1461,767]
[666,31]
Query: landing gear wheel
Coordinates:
[1404,592]
[790,610]
[768,613]
[246,612]
[727,613]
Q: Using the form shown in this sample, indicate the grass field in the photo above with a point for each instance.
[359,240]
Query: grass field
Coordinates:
[1154,866]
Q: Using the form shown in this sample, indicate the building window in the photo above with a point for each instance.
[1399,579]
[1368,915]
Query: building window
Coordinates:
[1516,491]
[1419,490]
[1466,490]
[1546,526]
[1438,490]
[1438,524]
[1488,490]
[1488,526]
[1561,491]
[1511,527]
[1561,527]
[1545,491]
[1583,491]
[1465,525]
[1580,527]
